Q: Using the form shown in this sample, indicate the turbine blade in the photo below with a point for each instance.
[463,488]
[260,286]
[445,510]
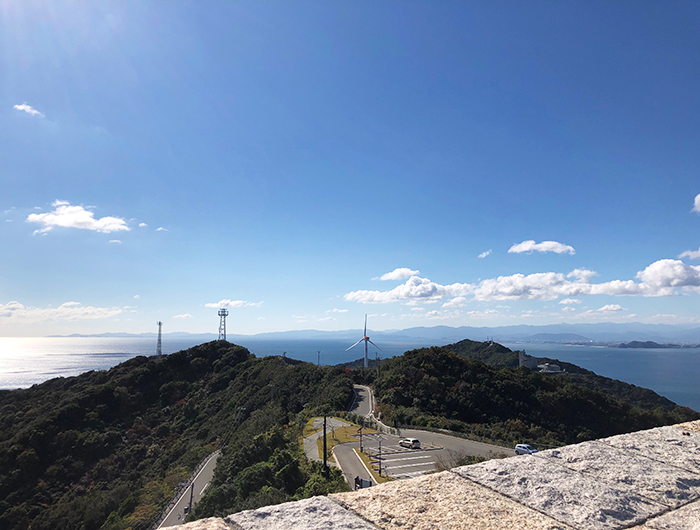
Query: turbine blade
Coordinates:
[351,347]
[373,344]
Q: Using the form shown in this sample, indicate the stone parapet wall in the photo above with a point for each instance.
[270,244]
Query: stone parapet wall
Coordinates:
[648,480]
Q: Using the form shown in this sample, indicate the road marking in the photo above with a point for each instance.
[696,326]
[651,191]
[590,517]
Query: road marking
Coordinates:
[205,487]
[405,465]
[408,458]
[371,477]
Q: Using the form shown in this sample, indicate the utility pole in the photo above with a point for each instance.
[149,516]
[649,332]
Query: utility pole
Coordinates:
[360,431]
[325,451]
[189,508]
[319,358]
[380,455]
[159,349]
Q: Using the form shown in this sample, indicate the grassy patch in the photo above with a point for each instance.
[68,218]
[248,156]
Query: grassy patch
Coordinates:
[337,436]
[371,467]
[309,428]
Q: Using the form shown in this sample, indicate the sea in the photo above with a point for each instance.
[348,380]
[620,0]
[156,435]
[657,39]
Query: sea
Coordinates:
[673,373]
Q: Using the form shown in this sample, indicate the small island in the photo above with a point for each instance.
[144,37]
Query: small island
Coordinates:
[650,344]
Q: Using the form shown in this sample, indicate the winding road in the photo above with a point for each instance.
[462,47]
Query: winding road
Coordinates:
[399,462]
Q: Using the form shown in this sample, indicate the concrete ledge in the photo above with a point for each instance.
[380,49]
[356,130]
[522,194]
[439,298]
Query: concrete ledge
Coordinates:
[317,513]
[213,523]
[690,426]
[635,473]
[686,518]
[563,494]
[445,501]
[673,445]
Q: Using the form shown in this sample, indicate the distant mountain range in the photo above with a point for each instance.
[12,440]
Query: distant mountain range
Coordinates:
[562,333]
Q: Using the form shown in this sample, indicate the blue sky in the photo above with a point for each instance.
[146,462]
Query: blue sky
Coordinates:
[496,162]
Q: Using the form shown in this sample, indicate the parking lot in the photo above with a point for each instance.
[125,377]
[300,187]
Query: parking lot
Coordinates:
[401,462]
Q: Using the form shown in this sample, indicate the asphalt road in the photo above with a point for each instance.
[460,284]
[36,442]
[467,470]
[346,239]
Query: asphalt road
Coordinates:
[350,463]
[362,404]
[176,516]
[400,462]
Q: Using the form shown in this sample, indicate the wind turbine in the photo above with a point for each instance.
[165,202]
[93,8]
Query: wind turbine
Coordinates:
[365,338]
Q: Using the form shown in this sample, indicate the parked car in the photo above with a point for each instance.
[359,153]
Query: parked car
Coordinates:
[411,443]
[524,449]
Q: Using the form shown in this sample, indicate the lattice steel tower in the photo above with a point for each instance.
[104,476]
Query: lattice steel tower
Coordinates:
[223,313]
[159,350]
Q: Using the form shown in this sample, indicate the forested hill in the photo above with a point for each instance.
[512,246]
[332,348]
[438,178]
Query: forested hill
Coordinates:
[436,388]
[489,352]
[495,354]
[106,449]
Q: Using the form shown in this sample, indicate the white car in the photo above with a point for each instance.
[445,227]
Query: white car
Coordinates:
[524,449]
[411,443]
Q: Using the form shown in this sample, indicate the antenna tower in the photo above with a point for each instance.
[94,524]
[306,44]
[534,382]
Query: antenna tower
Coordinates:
[223,313]
[159,350]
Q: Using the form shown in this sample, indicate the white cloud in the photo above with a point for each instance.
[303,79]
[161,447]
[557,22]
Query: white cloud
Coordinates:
[67,216]
[337,311]
[537,286]
[137,296]
[413,290]
[696,204]
[483,314]
[324,319]
[569,301]
[142,225]
[672,319]
[117,241]
[487,253]
[691,254]
[611,308]
[545,246]
[583,275]
[161,229]
[443,315]
[661,278]
[186,315]
[456,302]
[17,312]
[418,309]
[29,110]
[262,318]
[398,274]
[568,309]
[233,303]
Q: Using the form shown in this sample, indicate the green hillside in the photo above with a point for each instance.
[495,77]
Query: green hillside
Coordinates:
[495,354]
[436,388]
[106,449]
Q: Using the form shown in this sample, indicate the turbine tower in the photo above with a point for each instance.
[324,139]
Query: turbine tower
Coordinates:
[159,350]
[223,313]
[366,340]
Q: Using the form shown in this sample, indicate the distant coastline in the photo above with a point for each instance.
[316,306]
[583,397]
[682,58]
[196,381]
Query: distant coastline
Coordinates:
[589,334]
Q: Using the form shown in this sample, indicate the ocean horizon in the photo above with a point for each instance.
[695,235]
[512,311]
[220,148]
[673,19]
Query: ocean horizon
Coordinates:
[24,362]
